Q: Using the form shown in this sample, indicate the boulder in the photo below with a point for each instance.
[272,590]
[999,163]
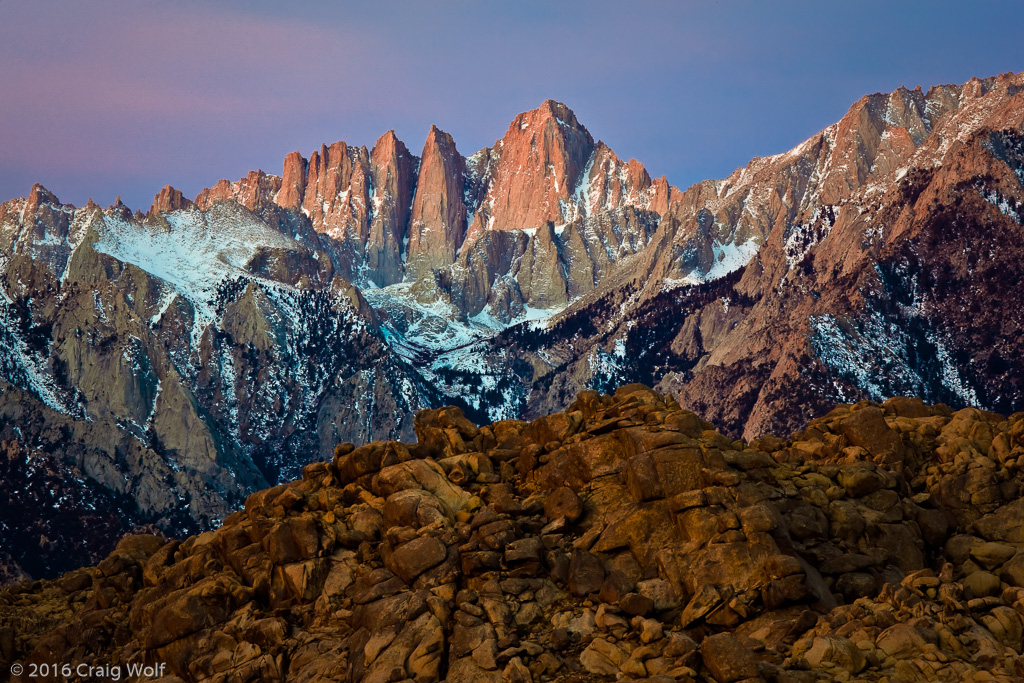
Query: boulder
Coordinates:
[292,539]
[727,659]
[981,584]
[1005,524]
[901,641]
[602,658]
[411,559]
[563,502]
[586,575]
[835,651]
[868,429]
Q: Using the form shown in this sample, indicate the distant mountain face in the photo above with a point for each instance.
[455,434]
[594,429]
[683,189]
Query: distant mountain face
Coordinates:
[880,257]
[182,358]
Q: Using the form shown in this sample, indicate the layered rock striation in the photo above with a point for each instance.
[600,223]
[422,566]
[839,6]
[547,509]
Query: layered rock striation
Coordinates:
[623,538]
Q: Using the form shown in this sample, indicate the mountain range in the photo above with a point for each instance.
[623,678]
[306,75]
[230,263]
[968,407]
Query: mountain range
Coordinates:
[157,368]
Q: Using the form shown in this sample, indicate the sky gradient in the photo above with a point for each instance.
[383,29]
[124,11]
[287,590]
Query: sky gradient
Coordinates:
[111,98]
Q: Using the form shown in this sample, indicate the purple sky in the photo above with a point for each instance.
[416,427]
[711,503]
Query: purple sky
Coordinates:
[107,98]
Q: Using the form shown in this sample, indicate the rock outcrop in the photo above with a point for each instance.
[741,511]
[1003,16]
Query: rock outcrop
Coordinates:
[437,225]
[169,199]
[215,340]
[623,538]
[386,217]
[251,192]
[394,181]
[536,168]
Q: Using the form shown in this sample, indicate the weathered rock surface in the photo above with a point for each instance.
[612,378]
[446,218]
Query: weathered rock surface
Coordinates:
[169,199]
[437,225]
[186,357]
[468,556]
[386,217]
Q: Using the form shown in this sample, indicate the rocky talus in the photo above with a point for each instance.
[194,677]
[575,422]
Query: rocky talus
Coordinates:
[621,539]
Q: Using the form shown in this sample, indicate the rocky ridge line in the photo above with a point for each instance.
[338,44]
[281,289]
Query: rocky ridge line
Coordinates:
[457,226]
[623,538]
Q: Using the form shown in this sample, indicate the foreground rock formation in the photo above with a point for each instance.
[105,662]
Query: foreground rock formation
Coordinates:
[622,538]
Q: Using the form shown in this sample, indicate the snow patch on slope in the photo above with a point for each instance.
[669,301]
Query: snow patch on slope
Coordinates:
[731,257]
[194,252]
[872,355]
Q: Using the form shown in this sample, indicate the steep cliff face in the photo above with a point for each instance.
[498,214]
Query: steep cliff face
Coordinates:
[391,220]
[437,225]
[205,348]
[252,192]
[394,178]
[536,168]
[850,164]
[574,210]
[169,199]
